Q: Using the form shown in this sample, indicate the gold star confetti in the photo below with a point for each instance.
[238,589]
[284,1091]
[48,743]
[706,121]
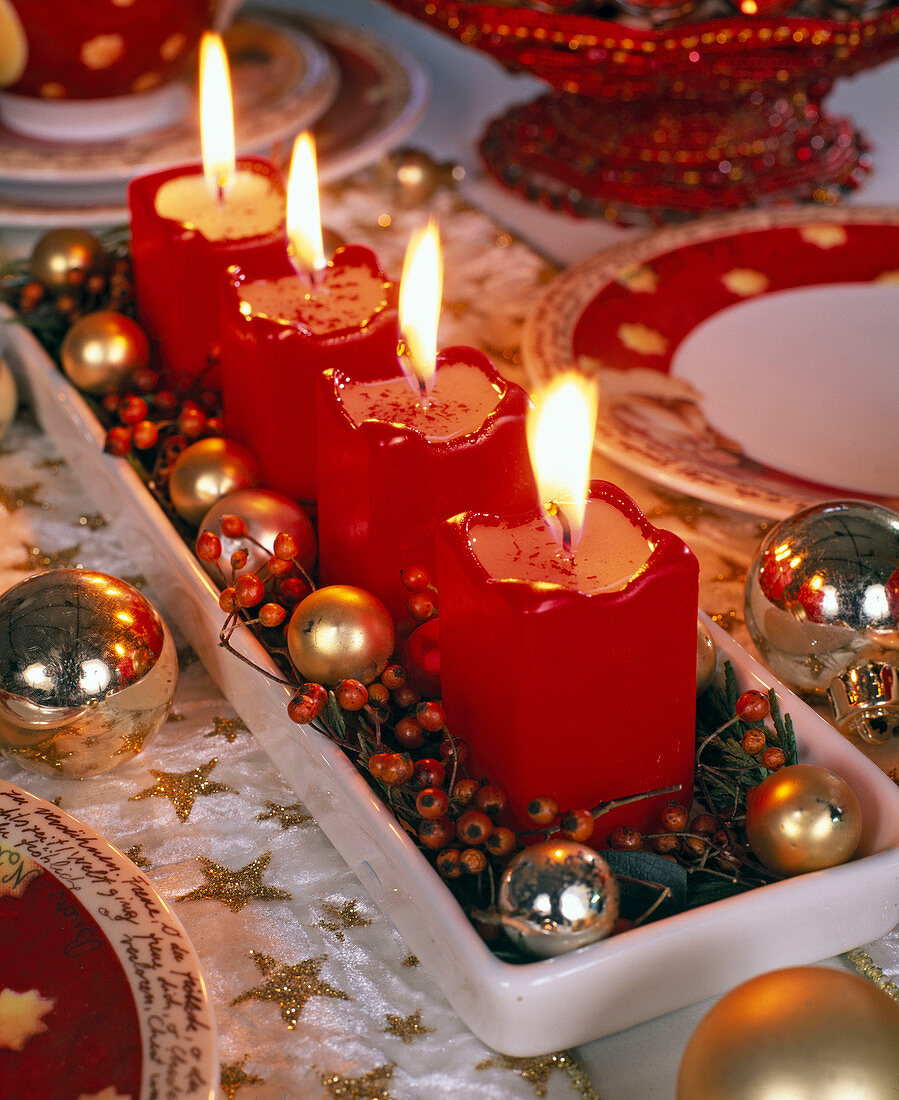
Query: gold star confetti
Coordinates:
[536,1071]
[187,656]
[181,788]
[406,1028]
[235,888]
[41,559]
[56,801]
[370,1086]
[234,1077]
[347,916]
[11,500]
[175,716]
[892,773]
[93,521]
[133,741]
[228,728]
[731,570]
[294,814]
[727,620]
[134,854]
[290,986]
[54,465]
[47,754]
[411,960]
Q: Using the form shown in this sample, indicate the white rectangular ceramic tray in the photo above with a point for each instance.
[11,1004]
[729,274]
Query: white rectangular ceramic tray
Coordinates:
[538,1007]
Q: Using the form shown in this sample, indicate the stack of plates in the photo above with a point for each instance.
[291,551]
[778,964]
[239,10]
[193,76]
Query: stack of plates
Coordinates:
[359,94]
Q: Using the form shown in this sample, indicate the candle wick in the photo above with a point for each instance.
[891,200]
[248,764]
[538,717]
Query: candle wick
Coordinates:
[312,278]
[554,510]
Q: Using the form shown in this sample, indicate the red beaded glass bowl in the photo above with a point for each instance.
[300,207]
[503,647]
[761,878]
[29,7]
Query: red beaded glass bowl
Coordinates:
[658,112]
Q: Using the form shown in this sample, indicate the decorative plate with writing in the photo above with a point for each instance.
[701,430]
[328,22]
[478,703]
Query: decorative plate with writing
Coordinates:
[101,994]
[746,359]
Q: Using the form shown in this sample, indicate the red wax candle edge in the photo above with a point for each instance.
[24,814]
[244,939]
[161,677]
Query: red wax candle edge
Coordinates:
[178,273]
[274,265]
[270,370]
[385,488]
[668,554]
[556,700]
[144,188]
[513,401]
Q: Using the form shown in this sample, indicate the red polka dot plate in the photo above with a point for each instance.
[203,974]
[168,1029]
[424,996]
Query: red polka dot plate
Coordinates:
[747,360]
[101,993]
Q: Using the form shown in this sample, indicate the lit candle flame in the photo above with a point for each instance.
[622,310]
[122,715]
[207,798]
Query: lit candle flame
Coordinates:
[304,224]
[560,440]
[421,289]
[216,117]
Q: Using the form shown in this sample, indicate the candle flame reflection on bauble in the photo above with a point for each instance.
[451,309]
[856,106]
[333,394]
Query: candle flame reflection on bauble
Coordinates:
[216,117]
[304,225]
[560,427]
[421,290]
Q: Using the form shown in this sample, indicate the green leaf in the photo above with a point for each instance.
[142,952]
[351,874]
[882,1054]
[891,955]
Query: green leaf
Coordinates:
[333,715]
[649,867]
[704,887]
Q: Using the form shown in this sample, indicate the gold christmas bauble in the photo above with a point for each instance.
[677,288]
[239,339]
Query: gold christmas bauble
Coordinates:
[339,633]
[62,252]
[205,472]
[88,670]
[102,350]
[9,396]
[806,1032]
[412,176]
[803,818]
[706,657]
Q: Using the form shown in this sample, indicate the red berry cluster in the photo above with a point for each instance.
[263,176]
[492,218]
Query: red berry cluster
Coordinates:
[158,423]
[275,588]
[705,839]
[422,604]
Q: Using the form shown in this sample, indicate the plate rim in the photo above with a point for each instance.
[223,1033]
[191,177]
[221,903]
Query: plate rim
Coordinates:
[552,319]
[208,1041]
[16,215]
[319,82]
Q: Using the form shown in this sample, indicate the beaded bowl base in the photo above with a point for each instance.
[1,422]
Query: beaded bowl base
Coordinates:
[652,118]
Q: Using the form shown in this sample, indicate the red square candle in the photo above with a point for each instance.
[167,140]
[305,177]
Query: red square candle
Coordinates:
[572,673]
[183,240]
[393,465]
[279,332]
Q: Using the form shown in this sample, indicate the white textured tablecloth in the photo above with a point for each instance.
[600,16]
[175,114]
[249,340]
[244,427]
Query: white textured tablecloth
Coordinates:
[260,890]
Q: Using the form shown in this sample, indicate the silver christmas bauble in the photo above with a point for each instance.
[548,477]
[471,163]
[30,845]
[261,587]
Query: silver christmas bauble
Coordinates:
[822,606]
[87,672]
[557,895]
[266,514]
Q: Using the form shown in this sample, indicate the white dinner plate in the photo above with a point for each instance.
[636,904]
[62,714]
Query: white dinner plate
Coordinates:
[99,985]
[748,360]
